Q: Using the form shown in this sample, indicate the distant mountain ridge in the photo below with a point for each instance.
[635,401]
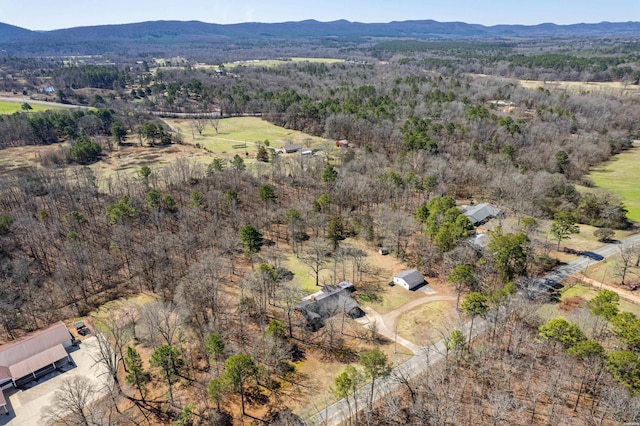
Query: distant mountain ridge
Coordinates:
[187,31]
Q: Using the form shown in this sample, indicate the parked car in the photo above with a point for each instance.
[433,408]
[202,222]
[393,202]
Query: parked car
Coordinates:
[632,287]
[391,283]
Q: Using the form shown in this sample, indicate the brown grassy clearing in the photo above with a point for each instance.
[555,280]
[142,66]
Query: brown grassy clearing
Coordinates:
[423,325]
[613,87]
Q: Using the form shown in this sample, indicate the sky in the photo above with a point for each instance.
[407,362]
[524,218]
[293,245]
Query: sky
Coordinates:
[56,14]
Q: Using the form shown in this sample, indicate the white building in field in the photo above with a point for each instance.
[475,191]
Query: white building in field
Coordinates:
[409,279]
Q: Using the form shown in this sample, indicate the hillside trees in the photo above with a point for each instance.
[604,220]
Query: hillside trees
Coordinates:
[252,240]
[71,241]
[444,223]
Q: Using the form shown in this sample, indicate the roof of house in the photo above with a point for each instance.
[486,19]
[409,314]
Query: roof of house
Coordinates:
[292,147]
[411,277]
[329,301]
[481,212]
[32,352]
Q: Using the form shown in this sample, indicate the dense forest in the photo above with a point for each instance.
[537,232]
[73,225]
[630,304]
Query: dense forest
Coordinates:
[431,125]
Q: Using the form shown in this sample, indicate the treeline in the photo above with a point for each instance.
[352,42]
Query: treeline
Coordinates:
[524,370]
[100,77]
[109,127]
[605,64]
[44,128]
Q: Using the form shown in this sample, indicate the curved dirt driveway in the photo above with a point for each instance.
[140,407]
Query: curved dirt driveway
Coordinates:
[384,324]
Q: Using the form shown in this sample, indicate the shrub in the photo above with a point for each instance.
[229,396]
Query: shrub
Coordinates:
[604,234]
[85,150]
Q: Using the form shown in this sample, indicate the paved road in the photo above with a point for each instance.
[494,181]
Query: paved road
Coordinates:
[338,412]
[589,258]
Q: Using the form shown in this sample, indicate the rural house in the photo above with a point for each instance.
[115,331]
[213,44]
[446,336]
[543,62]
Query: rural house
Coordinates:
[31,354]
[327,302]
[409,279]
[288,149]
[481,213]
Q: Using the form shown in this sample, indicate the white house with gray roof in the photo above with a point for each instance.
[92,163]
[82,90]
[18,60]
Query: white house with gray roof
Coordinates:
[409,279]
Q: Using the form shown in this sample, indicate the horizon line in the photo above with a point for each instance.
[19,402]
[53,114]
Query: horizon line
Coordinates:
[321,22]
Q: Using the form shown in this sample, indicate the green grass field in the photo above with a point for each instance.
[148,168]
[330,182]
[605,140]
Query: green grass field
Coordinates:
[239,130]
[7,107]
[621,175]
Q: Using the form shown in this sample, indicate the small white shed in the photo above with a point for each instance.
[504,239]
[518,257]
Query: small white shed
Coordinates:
[409,279]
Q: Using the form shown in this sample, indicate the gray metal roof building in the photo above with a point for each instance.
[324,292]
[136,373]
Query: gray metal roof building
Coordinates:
[481,213]
[327,302]
[409,279]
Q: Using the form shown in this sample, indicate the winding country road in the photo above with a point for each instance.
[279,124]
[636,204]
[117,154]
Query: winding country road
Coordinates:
[338,412]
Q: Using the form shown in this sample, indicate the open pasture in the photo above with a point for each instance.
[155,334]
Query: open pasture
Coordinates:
[621,175]
[10,107]
[234,133]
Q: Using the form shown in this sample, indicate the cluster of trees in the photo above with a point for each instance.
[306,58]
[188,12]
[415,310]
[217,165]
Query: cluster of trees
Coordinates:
[48,127]
[95,76]
[88,131]
[524,370]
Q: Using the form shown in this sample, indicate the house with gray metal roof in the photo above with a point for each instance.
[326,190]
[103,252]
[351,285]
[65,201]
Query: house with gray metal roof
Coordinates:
[481,213]
[331,300]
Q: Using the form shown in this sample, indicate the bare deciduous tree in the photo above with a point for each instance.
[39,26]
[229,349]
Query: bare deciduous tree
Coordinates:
[71,404]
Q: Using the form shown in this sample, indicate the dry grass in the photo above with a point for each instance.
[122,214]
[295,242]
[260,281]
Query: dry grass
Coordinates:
[21,157]
[422,325]
[583,87]
[128,159]
[574,298]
